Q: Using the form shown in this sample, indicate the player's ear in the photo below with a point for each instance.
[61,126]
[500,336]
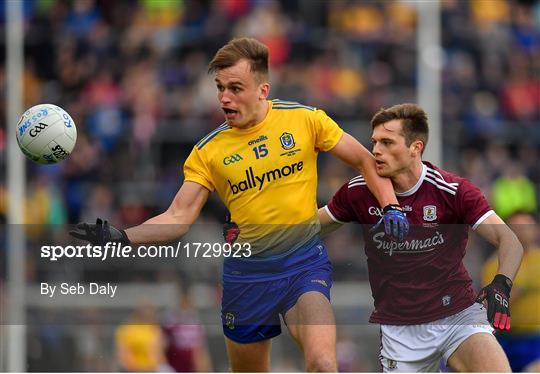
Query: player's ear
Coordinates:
[417,147]
[264,90]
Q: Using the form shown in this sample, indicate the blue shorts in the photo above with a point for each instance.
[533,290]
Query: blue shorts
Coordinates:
[250,310]
[520,349]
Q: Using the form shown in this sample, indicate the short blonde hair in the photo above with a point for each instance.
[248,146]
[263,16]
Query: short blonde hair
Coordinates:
[242,48]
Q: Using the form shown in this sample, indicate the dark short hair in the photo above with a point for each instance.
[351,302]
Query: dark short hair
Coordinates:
[413,118]
[242,48]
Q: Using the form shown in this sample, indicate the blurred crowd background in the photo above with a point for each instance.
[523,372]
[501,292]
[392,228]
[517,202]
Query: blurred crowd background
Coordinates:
[133,76]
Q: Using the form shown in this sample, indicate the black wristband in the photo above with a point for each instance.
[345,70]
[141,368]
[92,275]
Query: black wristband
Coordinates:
[390,207]
[503,281]
[125,240]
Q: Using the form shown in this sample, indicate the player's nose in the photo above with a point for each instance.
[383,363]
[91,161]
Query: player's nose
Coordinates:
[224,97]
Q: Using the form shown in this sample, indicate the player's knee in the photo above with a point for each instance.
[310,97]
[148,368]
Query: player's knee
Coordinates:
[321,363]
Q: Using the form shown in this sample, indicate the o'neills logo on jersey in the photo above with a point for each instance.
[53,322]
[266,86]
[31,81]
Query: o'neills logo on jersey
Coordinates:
[261,138]
[408,246]
[258,181]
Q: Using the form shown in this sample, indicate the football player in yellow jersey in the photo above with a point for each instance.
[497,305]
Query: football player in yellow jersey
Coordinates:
[262,164]
[522,343]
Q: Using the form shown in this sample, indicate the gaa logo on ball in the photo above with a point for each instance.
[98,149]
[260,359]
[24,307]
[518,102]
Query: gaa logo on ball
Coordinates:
[46,134]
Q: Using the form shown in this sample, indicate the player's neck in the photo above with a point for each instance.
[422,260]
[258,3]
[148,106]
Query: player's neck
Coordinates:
[408,177]
[261,114]
[263,111]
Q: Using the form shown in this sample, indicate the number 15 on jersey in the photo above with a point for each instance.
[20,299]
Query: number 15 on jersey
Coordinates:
[260,151]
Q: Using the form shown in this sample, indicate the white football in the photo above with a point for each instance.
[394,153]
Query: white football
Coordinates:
[46,134]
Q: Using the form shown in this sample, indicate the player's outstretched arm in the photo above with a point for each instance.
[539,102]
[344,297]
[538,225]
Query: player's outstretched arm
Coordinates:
[176,220]
[328,225]
[350,151]
[496,295]
[166,227]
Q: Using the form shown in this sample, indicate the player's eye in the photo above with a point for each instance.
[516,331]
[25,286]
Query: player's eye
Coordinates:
[236,89]
[220,88]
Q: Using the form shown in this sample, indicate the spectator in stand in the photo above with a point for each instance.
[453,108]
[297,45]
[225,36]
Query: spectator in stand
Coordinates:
[513,192]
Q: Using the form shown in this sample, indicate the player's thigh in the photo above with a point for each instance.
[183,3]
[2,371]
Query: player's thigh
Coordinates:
[480,352]
[307,303]
[250,311]
[311,322]
[411,348]
[249,357]
[312,312]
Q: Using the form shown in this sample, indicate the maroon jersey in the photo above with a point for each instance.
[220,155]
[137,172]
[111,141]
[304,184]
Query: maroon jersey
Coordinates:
[423,278]
[184,335]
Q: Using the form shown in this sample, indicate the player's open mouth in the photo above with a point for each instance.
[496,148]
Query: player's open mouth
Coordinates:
[230,113]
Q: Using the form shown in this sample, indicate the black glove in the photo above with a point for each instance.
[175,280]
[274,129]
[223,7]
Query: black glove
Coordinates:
[497,294]
[231,231]
[99,233]
[395,222]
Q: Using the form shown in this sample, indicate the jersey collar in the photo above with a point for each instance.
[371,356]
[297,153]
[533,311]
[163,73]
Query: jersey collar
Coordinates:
[417,185]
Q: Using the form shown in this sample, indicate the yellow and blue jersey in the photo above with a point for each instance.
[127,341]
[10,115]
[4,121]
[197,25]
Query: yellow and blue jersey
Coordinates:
[522,343]
[525,309]
[267,174]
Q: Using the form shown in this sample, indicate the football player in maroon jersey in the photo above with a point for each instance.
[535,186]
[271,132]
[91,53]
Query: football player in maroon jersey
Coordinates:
[423,295]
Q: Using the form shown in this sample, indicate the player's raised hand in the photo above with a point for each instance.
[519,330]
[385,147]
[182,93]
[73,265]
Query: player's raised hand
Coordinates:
[497,296]
[99,233]
[395,222]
